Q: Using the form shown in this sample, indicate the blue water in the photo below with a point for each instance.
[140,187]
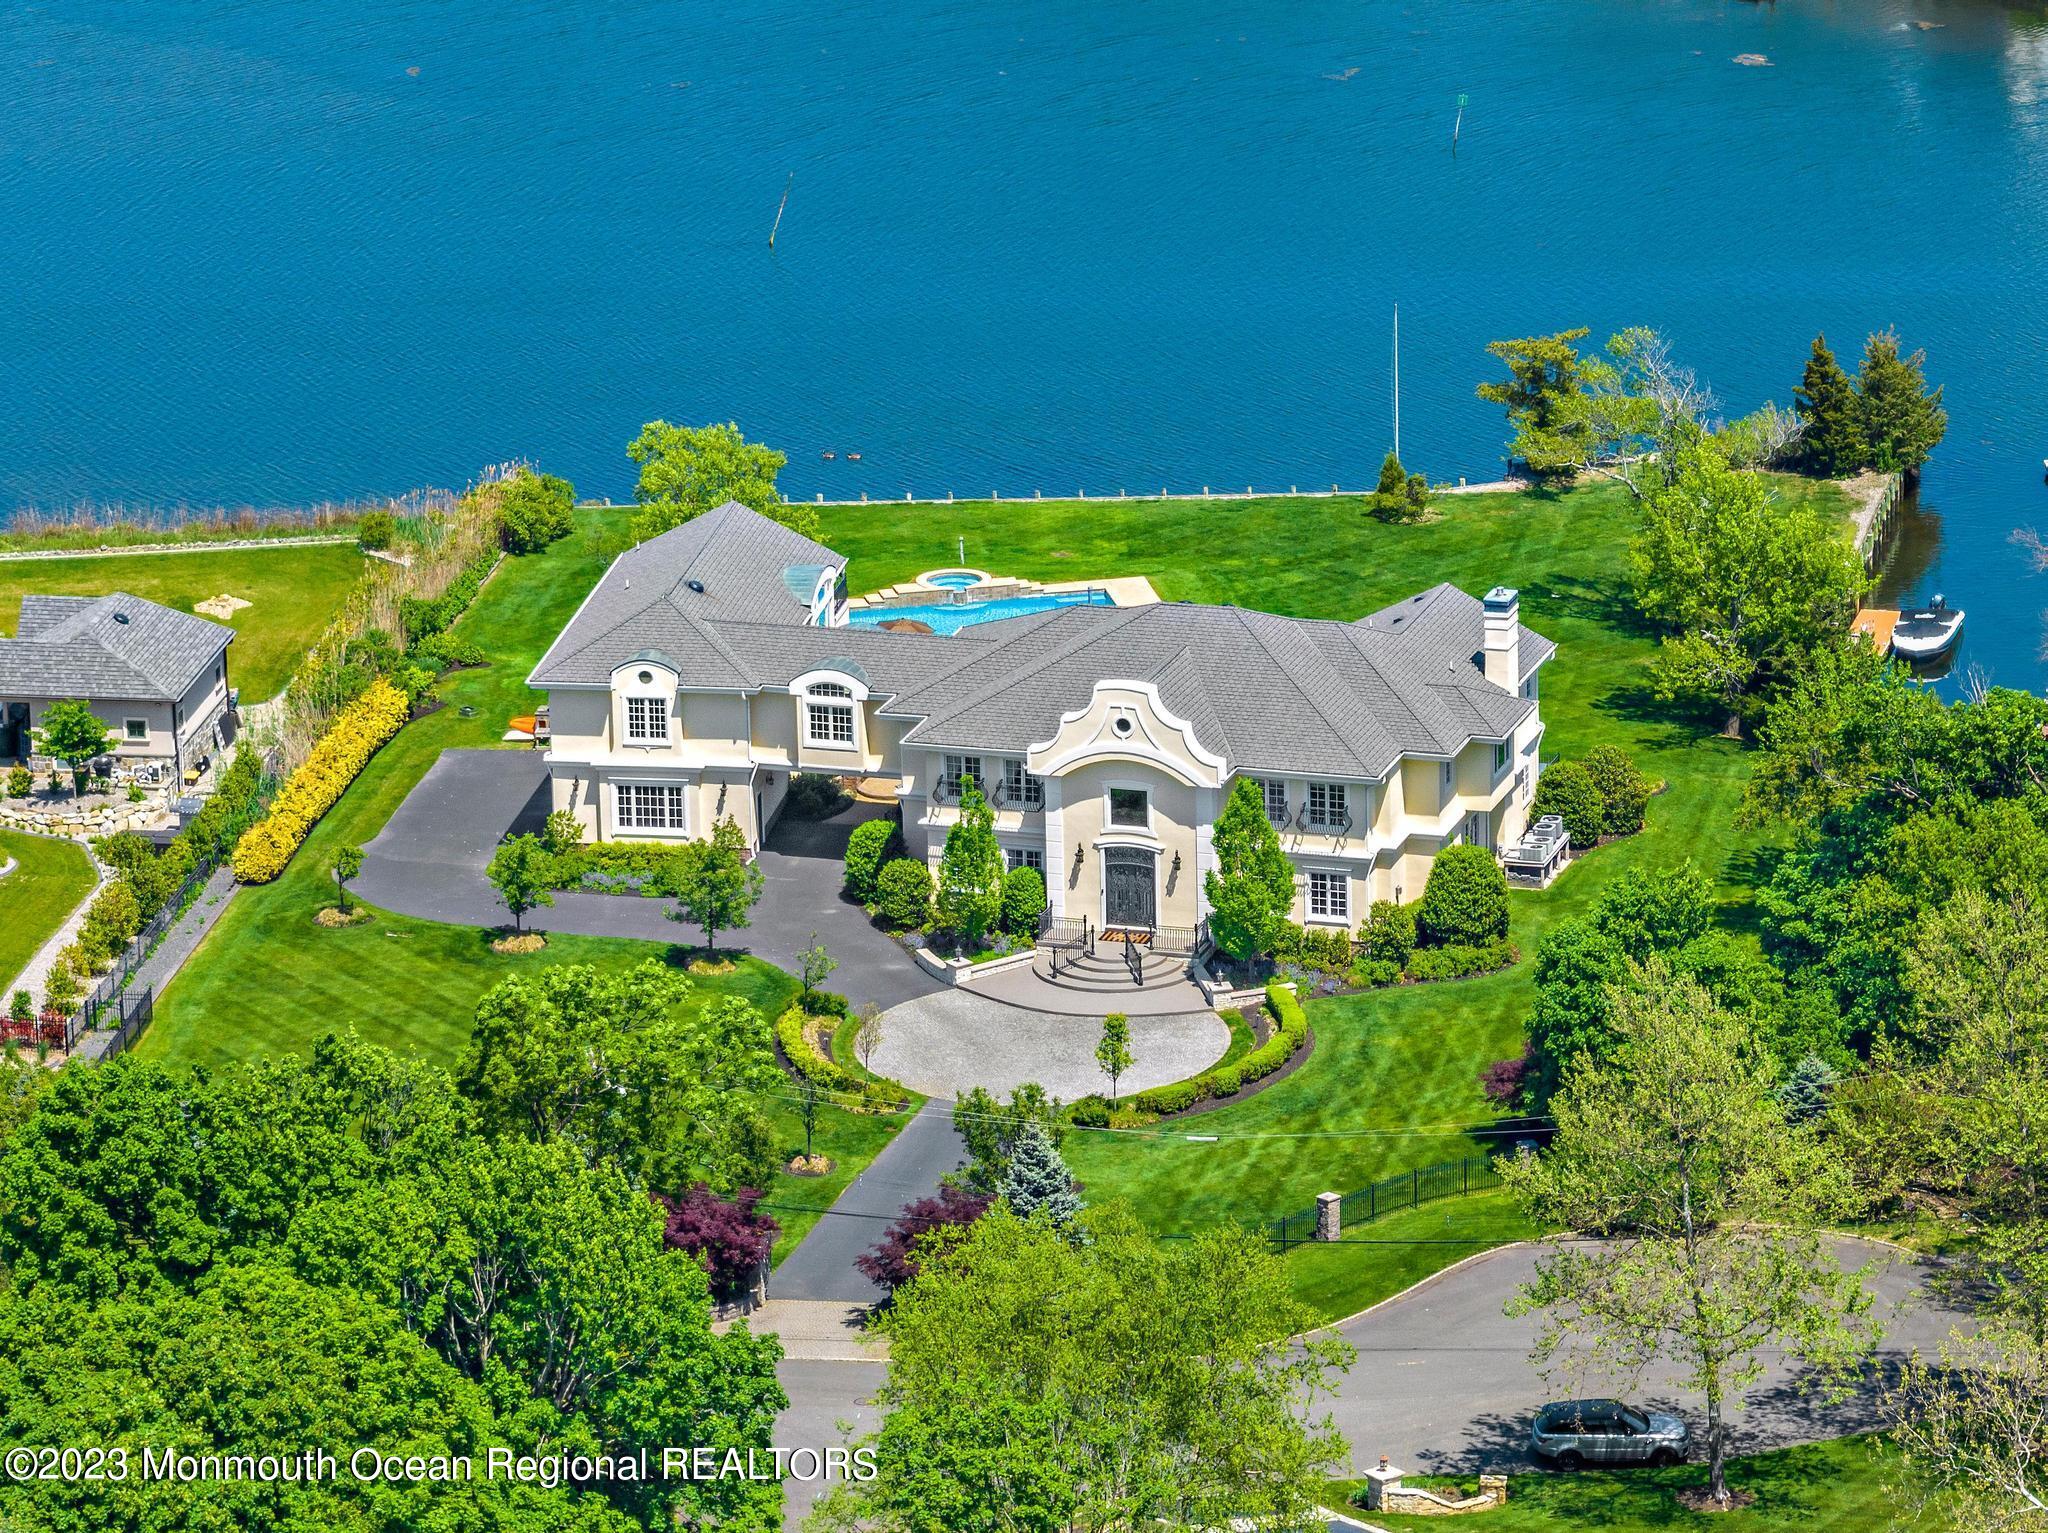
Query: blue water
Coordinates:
[952,617]
[266,253]
[953,580]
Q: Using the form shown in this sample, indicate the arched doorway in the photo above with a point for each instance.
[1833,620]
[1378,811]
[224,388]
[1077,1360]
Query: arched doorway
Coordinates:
[1130,887]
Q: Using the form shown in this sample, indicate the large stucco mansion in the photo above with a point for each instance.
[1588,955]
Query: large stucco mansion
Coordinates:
[714,661]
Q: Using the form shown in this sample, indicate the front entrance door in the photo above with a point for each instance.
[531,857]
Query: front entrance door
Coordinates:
[14,735]
[1129,887]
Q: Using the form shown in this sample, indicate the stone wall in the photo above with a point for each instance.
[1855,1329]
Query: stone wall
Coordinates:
[1384,1492]
[94,817]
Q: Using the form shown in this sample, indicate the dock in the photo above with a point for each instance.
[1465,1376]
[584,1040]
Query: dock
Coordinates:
[1878,622]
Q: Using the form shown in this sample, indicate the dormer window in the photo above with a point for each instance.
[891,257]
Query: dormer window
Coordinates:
[647,720]
[828,715]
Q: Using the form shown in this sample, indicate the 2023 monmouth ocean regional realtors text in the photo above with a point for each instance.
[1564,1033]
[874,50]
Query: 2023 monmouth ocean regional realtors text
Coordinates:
[372,1465]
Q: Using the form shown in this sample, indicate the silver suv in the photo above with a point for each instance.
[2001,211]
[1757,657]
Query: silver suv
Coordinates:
[1574,1433]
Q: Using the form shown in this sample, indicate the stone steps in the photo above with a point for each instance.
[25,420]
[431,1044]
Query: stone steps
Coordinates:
[1106,970]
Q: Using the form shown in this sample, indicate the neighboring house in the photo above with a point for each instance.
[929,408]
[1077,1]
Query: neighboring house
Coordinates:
[158,678]
[710,663]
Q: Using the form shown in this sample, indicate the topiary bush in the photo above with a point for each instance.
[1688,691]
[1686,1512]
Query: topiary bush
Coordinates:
[1023,900]
[1466,900]
[1624,791]
[1566,790]
[873,843]
[903,894]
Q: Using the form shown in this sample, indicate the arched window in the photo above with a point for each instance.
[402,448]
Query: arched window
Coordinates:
[828,714]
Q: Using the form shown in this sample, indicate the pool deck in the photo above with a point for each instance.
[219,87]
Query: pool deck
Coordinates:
[1123,591]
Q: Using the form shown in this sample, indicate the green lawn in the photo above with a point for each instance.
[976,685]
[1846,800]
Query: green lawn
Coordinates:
[1394,1080]
[1837,1487]
[292,591]
[52,878]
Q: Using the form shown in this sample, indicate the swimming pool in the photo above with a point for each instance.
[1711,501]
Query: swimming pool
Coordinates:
[953,580]
[951,617]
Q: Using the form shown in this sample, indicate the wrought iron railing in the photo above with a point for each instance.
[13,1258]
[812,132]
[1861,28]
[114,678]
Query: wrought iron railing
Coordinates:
[1323,820]
[1411,1189]
[1024,802]
[1065,940]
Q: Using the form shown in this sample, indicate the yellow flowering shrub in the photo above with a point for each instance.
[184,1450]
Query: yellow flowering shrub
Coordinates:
[356,734]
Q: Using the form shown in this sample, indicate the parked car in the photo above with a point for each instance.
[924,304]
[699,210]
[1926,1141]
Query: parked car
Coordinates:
[1573,1433]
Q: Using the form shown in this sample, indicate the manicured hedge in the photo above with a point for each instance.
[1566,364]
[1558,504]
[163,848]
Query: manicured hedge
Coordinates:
[1290,1029]
[793,1033]
[872,844]
[1459,960]
[356,735]
[422,618]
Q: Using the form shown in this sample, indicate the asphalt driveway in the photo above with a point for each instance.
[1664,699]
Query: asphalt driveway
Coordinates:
[429,862]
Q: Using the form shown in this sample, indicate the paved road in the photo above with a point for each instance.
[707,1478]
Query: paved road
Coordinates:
[946,1043]
[1443,1382]
[429,862]
[909,1168]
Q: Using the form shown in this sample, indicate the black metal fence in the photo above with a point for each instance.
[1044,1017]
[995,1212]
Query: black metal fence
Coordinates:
[107,994]
[1411,1189]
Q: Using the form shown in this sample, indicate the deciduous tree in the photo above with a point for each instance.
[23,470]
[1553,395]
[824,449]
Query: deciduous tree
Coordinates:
[1251,888]
[712,883]
[970,896]
[688,470]
[73,734]
[348,862]
[521,871]
[1702,1206]
[1113,1051]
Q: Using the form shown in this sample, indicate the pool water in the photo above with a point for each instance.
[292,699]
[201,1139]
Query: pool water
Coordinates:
[952,617]
[953,580]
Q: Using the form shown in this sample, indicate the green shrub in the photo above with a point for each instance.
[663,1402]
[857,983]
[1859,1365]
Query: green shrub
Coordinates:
[1465,901]
[421,618]
[815,796]
[1225,1081]
[19,783]
[1566,789]
[1176,1097]
[1624,791]
[1326,948]
[1023,900]
[447,651]
[534,510]
[1388,934]
[872,843]
[1089,1112]
[1374,973]
[375,530]
[610,867]
[1459,960]
[824,1003]
[903,894]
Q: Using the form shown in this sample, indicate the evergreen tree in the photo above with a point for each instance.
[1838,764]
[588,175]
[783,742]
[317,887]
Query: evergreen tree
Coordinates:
[971,868]
[1832,443]
[1037,1179]
[1251,888]
[1902,418]
[1804,1093]
[1401,496]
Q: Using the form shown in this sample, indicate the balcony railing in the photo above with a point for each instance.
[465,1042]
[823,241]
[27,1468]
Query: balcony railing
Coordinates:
[1022,802]
[1324,821]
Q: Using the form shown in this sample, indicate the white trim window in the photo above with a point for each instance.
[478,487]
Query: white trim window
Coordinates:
[1327,805]
[1329,896]
[1129,809]
[647,721]
[135,731]
[957,770]
[650,806]
[1500,758]
[1021,788]
[1274,791]
[1015,857]
[828,715]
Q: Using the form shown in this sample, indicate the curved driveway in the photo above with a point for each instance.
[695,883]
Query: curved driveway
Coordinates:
[1443,1383]
[429,862]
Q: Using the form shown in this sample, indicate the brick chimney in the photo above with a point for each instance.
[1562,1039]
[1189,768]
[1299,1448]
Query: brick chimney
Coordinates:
[1502,649]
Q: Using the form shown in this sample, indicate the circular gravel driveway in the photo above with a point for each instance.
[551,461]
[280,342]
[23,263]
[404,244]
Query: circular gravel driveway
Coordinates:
[950,1042]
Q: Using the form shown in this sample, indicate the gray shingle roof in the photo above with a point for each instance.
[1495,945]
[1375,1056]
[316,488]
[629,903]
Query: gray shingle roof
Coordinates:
[115,646]
[1273,694]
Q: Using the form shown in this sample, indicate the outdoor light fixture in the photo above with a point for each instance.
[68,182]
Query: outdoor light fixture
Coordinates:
[1176,862]
[1079,854]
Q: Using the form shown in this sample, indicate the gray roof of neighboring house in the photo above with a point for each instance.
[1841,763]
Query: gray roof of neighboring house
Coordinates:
[113,647]
[1274,694]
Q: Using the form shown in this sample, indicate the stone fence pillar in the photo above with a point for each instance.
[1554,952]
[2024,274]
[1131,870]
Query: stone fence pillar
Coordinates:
[1329,1215]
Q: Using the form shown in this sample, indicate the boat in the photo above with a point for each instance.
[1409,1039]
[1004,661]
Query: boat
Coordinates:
[853,457]
[828,456]
[1926,633]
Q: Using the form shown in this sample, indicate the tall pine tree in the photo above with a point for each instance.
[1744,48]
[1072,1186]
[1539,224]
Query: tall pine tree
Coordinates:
[1902,417]
[1832,443]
